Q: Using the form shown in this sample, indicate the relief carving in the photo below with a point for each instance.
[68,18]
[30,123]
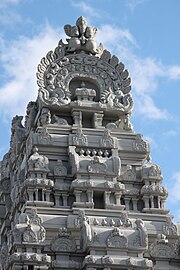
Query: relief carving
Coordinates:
[139,144]
[170,228]
[60,169]
[43,136]
[117,239]
[45,117]
[142,237]
[85,231]
[161,248]
[79,138]
[38,162]
[106,140]
[96,166]
[63,241]
[129,174]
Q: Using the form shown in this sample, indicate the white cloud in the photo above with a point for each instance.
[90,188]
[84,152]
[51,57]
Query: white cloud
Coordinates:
[7,15]
[145,72]
[174,72]
[20,60]
[170,133]
[84,7]
[174,191]
[132,4]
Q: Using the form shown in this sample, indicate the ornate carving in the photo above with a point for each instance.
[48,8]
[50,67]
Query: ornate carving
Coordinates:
[151,171]
[170,228]
[139,144]
[59,121]
[127,124]
[63,241]
[58,68]
[129,174]
[161,248]
[142,237]
[124,220]
[79,138]
[117,99]
[96,166]
[17,136]
[82,37]
[38,162]
[106,140]
[45,117]
[31,112]
[107,260]
[43,136]
[85,94]
[117,239]
[60,169]
[29,229]
[154,189]
[90,259]
[85,230]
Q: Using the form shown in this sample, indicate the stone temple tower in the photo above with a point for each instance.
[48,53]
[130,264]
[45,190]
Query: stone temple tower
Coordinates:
[78,189]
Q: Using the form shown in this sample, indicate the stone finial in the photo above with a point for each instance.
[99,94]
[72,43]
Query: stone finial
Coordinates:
[82,37]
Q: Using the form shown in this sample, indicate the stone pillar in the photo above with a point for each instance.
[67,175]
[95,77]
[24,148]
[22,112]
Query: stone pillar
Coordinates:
[57,195]
[107,197]
[118,197]
[30,194]
[134,200]
[152,201]
[127,203]
[97,120]
[65,197]
[48,195]
[90,195]
[77,194]
[77,117]
[146,201]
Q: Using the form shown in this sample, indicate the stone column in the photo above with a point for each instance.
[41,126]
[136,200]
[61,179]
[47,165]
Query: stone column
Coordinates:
[77,117]
[57,195]
[97,120]
[118,197]
[127,203]
[134,200]
[90,195]
[65,197]
[107,197]
[152,201]
[77,194]
[146,201]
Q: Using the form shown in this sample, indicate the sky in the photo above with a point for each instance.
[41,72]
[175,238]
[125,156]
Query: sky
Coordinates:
[144,34]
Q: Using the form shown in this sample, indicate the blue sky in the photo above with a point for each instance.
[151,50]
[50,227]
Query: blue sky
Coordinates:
[144,34]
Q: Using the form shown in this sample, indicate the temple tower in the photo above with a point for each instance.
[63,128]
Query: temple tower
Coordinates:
[78,189]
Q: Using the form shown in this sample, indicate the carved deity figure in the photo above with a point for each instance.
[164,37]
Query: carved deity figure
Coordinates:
[143,235]
[17,136]
[85,230]
[45,117]
[106,140]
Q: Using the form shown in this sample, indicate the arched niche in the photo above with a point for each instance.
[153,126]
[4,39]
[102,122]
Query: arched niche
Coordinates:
[89,83]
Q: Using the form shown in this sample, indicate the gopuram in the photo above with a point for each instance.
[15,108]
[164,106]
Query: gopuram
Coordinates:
[78,189]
